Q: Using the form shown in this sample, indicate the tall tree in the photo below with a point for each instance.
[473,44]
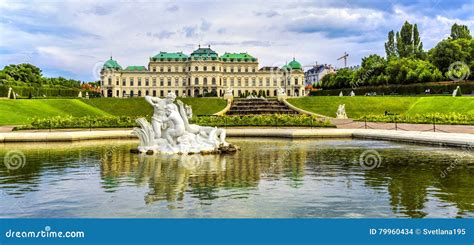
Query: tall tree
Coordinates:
[460,31]
[390,48]
[407,42]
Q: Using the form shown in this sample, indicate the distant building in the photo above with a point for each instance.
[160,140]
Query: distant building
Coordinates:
[203,72]
[316,73]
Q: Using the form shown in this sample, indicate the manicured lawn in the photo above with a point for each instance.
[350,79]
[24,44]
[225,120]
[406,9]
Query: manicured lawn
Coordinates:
[139,107]
[358,106]
[15,112]
[18,112]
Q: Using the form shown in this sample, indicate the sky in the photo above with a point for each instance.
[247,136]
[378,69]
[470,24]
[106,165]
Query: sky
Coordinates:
[73,38]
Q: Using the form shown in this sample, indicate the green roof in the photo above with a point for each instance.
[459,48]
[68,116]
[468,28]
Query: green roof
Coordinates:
[295,65]
[135,68]
[237,57]
[204,53]
[170,56]
[111,64]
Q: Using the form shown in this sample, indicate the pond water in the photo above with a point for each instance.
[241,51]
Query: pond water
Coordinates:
[267,178]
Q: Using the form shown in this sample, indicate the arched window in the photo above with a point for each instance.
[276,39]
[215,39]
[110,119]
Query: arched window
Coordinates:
[213,81]
[205,81]
[139,93]
[196,68]
[205,68]
[196,81]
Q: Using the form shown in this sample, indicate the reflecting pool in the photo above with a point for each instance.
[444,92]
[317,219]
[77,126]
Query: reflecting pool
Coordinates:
[267,178]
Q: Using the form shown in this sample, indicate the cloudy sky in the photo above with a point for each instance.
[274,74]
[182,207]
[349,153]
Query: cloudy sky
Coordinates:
[73,38]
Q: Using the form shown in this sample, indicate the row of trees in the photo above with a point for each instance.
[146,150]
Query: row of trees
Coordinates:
[406,62]
[30,75]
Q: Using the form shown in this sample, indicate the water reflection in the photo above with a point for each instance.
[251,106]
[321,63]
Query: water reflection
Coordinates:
[267,178]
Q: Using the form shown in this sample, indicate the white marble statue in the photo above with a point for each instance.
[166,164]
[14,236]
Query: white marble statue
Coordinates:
[171,132]
[352,94]
[229,94]
[11,92]
[341,94]
[87,95]
[341,112]
[455,92]
[80,94]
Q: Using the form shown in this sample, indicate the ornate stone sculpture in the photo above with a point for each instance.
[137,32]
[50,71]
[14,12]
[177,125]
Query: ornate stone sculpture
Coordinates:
[341,112]
[229,94]
[170,131]
[281,94]
[455,92]
[341,94]
[352,94]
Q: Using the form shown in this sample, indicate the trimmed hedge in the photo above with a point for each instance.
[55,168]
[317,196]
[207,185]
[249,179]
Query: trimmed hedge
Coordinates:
[262,120]
[25,91]
[452,118]
[215,121]
[467,87]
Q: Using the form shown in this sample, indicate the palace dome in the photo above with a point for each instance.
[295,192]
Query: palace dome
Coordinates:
[294,65]
[112,64]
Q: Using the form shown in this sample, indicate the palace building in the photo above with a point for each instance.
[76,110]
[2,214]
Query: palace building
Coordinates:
[202,73]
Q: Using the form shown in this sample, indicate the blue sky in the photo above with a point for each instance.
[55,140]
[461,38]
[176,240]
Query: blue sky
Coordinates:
[73,38]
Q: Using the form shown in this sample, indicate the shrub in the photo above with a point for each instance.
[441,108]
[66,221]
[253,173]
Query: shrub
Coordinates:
[429,118]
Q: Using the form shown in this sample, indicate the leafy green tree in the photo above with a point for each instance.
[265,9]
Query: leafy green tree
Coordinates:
[460,31]
[405,43]
[390,48]
[449,51]
[410,70]
[372,67]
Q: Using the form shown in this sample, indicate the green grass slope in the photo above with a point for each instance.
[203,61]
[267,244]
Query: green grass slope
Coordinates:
[139,107]
[16,112]
[359,106]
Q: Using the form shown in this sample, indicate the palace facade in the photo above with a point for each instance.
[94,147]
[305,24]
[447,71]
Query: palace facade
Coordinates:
[202,73]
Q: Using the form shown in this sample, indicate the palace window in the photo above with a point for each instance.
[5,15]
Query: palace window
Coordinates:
[239,69]
[147,82]
[147,92]
[154,82]
[213,81]
[205,68]
[213,68]
[205,81]
[246,69]
[176,82]
[161,93]
[139,93]
[196,81]
[154,93]
[117,81]
[253,70]
[260,82]
[110,81]
[169,81]
[289,82]
[232,82]
[139,81]
[225,81]
[154,68]
[196,68]
[246,82]
[124,82]
[239,82]
[184,81]
[296,81]
[176,69]
[162,82]
[254,82]
[268,82]
[169,68]
[131,81]
[161,68]
[282,82]
[232,69]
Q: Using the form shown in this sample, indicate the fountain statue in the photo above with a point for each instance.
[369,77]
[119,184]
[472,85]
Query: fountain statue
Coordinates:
[352,94]
[341,112]
[170,131]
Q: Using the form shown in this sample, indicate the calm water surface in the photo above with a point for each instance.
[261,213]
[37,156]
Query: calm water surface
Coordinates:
[267,178]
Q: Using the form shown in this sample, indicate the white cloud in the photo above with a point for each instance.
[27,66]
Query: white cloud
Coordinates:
[73,36]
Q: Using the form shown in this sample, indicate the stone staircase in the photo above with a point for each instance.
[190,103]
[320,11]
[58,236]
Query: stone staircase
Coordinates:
[257,106]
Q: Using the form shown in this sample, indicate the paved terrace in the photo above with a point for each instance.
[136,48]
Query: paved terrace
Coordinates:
[432,138]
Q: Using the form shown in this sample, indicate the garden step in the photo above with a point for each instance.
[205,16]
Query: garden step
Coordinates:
[256,106]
